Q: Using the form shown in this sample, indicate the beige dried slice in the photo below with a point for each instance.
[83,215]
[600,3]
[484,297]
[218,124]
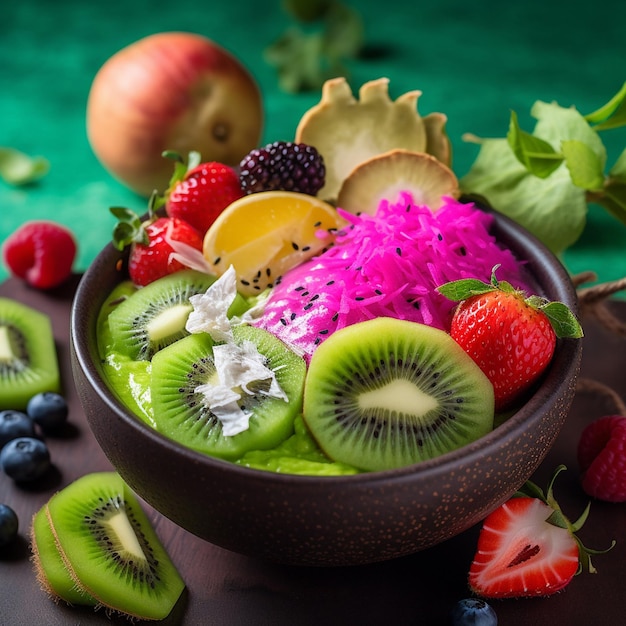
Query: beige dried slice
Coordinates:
[383,177]
[437,141]
[347,131]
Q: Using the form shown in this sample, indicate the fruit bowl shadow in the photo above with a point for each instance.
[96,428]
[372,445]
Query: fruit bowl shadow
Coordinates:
[327,521]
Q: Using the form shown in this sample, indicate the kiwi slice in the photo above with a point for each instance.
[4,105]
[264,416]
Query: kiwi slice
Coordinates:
[386,393]
[181,414]
[28,358]
[155,315]
[110,549]
[50,569]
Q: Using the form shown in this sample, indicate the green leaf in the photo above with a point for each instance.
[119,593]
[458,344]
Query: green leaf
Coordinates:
[122,235]
[305,60]
[613,199]
[535,154]
[306,10]
[344,34]
[457,290]
[125,215]
[550,491]
[128,229]
[556,518]
[563,321]
[531,490]
[553,209]
[583,164]
[556,124]
[300,61]
[580,522]
[17,168]
[612,114]
[618,171]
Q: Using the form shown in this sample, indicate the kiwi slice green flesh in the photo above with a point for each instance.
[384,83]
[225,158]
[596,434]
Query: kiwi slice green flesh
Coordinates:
[28,358]
[50,569]
[181,414]
[155,315]
[110,548]
[386,393]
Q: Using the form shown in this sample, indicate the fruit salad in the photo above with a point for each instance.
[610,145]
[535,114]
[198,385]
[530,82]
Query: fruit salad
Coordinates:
[311,333]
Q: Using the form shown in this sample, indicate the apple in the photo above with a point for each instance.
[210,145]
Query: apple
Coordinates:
[171,91]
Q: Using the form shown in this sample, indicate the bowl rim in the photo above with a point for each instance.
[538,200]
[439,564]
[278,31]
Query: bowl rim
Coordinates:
[566,358]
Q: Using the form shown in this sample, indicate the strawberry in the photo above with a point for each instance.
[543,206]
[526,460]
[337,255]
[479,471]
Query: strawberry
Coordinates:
[159,246]
[527,547]
[199,192]
[510,336]
[41,252]
[602,458]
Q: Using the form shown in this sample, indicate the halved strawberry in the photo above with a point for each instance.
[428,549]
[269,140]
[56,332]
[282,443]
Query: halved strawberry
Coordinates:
[527,547]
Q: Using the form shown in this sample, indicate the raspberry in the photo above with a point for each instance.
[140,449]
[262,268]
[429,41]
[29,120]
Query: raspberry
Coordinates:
[40,252]
[602,458]
[285,166]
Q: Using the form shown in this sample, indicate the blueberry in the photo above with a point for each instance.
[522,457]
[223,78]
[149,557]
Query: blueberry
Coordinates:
[48,410]
[8,525]
[473,612]
[15,424]
[25,459]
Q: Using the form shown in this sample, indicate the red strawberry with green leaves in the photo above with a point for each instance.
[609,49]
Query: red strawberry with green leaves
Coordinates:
[510,336]
[159,245]
[199,192]
[527,547]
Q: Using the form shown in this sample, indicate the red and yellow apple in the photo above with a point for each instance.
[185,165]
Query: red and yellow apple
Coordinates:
[171,91]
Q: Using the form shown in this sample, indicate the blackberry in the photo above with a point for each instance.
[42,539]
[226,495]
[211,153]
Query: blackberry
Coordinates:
[283,165]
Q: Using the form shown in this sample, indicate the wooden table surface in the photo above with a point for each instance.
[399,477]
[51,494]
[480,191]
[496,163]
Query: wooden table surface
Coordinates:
[224,588]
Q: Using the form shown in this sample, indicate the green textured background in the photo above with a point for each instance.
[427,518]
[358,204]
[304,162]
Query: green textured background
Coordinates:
[474,61]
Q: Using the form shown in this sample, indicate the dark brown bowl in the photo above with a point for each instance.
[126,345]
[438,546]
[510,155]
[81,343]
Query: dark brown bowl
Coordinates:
[327,521]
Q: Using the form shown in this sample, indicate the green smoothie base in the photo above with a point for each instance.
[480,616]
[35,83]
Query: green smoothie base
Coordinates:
[130,382]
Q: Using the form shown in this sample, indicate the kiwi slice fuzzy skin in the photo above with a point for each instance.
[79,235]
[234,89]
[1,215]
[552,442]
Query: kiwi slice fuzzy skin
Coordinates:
[180,414]
[52,575]
[110,549]
[387,393]
[28,358]
[155,315]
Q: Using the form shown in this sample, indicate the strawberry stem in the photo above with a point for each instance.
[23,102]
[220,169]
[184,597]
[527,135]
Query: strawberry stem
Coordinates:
[180,168]
[557,518]
[129,228]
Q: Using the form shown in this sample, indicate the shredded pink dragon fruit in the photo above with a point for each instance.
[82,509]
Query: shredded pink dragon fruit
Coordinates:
[388,265]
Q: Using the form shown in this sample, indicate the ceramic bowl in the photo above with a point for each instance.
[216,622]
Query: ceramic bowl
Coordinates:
[327,521]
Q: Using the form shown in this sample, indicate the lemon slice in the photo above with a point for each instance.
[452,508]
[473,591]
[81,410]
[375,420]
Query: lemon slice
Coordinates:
[262,235]
[383,177]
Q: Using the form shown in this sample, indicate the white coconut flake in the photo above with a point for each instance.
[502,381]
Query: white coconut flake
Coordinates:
[188,255]
[210,309]
[237,366]
[222,402]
